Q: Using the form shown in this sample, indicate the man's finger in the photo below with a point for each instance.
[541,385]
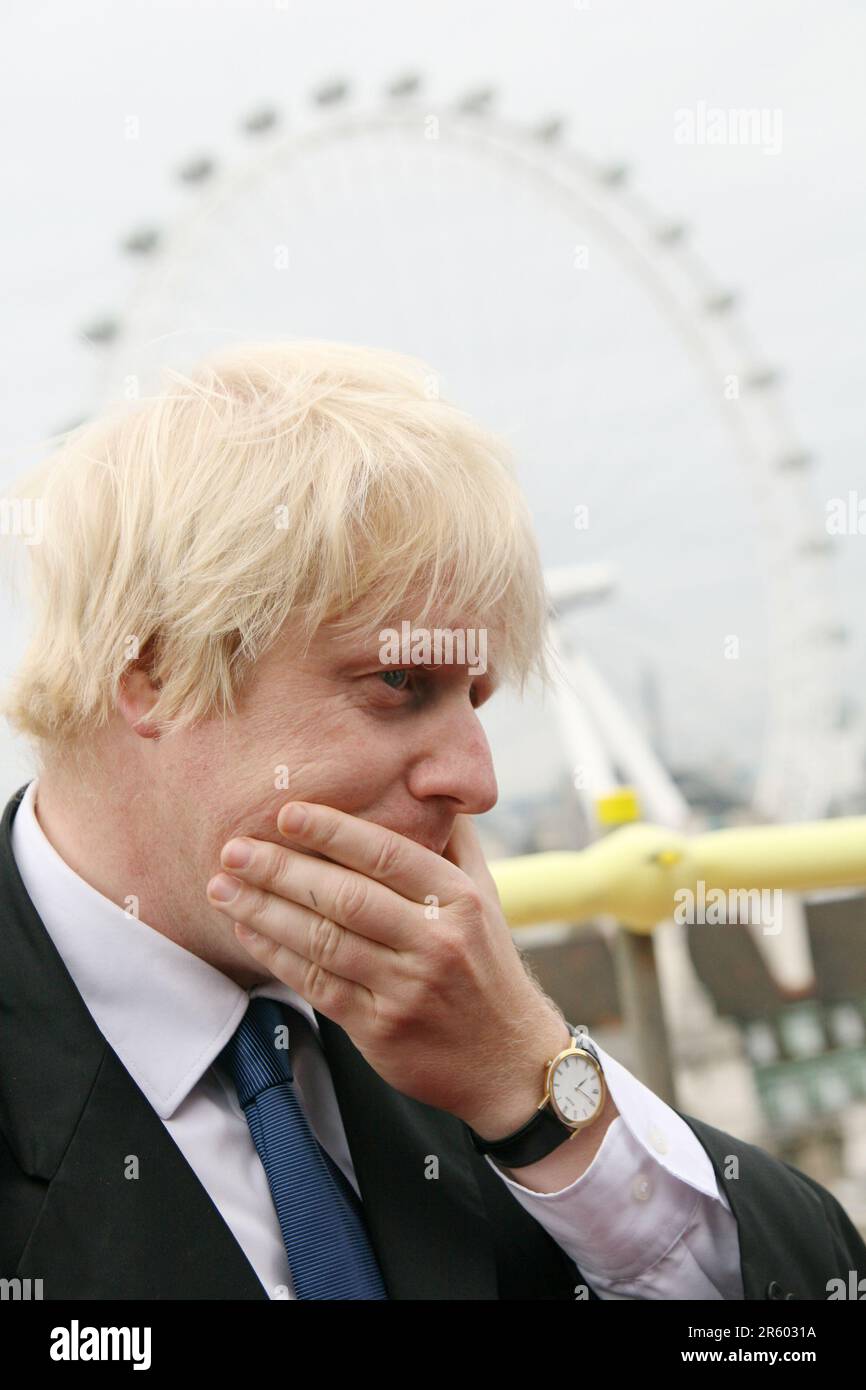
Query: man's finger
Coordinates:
[408,868]
[349,1005]
[464,850]
[324,889]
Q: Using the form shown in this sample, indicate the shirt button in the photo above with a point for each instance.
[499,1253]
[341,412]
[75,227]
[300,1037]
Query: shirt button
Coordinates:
[641,1188]
[658,1141]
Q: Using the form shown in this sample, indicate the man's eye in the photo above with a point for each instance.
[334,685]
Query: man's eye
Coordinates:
[398,671]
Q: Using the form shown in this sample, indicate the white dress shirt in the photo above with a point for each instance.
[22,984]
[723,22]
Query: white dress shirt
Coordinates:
[645,1221]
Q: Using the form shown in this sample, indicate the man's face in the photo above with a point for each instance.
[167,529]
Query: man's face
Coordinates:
[399,746]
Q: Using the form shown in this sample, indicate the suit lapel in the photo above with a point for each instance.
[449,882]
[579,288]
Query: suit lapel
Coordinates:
[126,1217]
[422,1202]
[115,1210]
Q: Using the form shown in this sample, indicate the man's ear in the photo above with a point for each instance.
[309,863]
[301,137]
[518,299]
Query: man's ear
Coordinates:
[138,693]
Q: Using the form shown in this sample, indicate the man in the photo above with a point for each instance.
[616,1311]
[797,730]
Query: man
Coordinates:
[315,1071]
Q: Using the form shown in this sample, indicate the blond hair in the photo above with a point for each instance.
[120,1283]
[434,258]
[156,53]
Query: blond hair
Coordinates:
[276,480]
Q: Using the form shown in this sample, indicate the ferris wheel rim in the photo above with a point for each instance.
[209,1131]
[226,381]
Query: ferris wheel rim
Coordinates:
[487,132]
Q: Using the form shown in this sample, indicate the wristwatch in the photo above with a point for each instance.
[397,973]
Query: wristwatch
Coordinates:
[574,1094]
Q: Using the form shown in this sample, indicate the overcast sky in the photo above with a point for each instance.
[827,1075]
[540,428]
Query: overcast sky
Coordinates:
[599,397]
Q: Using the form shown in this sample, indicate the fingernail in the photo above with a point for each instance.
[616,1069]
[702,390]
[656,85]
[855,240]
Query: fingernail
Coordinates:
[292,818]
[223,888]
[237,854]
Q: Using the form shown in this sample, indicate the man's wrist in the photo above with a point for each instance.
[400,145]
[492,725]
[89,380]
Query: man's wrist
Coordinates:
[519,1091]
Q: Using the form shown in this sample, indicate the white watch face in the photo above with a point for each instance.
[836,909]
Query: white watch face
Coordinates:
[576,1089]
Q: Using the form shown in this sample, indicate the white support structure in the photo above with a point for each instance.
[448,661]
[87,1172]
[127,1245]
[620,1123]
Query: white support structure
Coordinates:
[601,740]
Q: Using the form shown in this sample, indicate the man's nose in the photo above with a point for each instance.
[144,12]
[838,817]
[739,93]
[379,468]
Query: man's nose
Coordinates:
[457,763]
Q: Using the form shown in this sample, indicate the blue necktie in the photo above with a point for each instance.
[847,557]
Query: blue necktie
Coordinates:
[320,1216]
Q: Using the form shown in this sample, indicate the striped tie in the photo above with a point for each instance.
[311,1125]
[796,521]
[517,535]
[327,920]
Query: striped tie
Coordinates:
[320,1216]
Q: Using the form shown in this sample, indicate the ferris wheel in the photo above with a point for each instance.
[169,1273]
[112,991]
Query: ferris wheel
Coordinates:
[555,297]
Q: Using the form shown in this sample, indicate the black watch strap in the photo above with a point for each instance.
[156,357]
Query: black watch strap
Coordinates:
[541,1134]
[536,1139]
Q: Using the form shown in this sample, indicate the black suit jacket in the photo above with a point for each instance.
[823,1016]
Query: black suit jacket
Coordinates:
[70,1114]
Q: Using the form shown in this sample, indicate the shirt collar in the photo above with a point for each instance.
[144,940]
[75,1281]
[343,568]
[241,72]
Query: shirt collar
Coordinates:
[166,1012]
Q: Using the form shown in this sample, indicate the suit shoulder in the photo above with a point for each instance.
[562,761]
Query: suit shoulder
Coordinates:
[793,1232]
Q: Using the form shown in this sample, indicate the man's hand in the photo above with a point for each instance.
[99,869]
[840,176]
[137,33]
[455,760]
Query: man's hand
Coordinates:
[407,951]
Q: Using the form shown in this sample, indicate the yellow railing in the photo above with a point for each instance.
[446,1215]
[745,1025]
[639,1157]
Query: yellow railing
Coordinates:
[635,871]
[634,874]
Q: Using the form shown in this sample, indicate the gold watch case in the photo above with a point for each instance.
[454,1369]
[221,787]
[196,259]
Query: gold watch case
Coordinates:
[549,1098]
